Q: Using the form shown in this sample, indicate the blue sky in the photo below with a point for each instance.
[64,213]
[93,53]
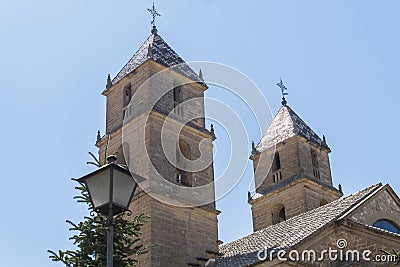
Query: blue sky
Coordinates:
[339,59]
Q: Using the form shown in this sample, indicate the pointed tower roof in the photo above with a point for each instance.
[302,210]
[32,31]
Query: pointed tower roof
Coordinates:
[286,124]
[157,49]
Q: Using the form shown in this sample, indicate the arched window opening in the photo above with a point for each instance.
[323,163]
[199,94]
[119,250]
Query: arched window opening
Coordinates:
[277,162]
[276,168]
[178,99]
[183,177]
[387,225]
[282,215]
[323,202]
[278,213]
[127,94]
[314,159]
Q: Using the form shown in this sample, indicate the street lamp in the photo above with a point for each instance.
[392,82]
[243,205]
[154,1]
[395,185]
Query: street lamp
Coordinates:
[110,188]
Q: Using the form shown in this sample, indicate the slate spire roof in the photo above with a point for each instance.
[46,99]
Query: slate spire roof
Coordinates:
[286,124]
[287,234]
[157,49]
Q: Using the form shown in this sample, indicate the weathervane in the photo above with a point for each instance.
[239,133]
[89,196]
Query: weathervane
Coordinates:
[283,89]
[154,14]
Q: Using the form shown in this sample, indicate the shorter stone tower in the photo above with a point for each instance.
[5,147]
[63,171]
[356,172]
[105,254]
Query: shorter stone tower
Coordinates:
[292,171]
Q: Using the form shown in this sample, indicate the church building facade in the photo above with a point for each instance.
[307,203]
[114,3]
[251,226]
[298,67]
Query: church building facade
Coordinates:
[295,206]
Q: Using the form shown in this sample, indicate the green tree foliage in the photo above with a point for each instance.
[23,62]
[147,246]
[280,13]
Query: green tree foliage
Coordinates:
[90,238]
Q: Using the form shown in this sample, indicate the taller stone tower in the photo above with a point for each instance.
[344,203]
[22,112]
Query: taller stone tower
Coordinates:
[182,235]
[292,171]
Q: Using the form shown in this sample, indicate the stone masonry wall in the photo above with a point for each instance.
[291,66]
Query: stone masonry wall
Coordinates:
[296,199]
[295,158]
[176,234]
[356,239]
[382,206]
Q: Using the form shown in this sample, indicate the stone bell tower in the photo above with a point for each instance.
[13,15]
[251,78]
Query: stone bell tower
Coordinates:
[292,170]
[182,235]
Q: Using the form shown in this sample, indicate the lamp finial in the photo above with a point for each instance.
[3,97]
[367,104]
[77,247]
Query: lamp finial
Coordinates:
[111,159]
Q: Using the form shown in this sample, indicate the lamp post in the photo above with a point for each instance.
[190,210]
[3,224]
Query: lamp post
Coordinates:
[110,188]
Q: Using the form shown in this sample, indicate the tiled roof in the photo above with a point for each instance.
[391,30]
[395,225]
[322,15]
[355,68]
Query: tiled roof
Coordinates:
[157,49]
[286,124]
[243,252]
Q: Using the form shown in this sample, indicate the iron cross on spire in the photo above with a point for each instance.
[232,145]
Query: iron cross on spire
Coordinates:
[283,89]
[154,14]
